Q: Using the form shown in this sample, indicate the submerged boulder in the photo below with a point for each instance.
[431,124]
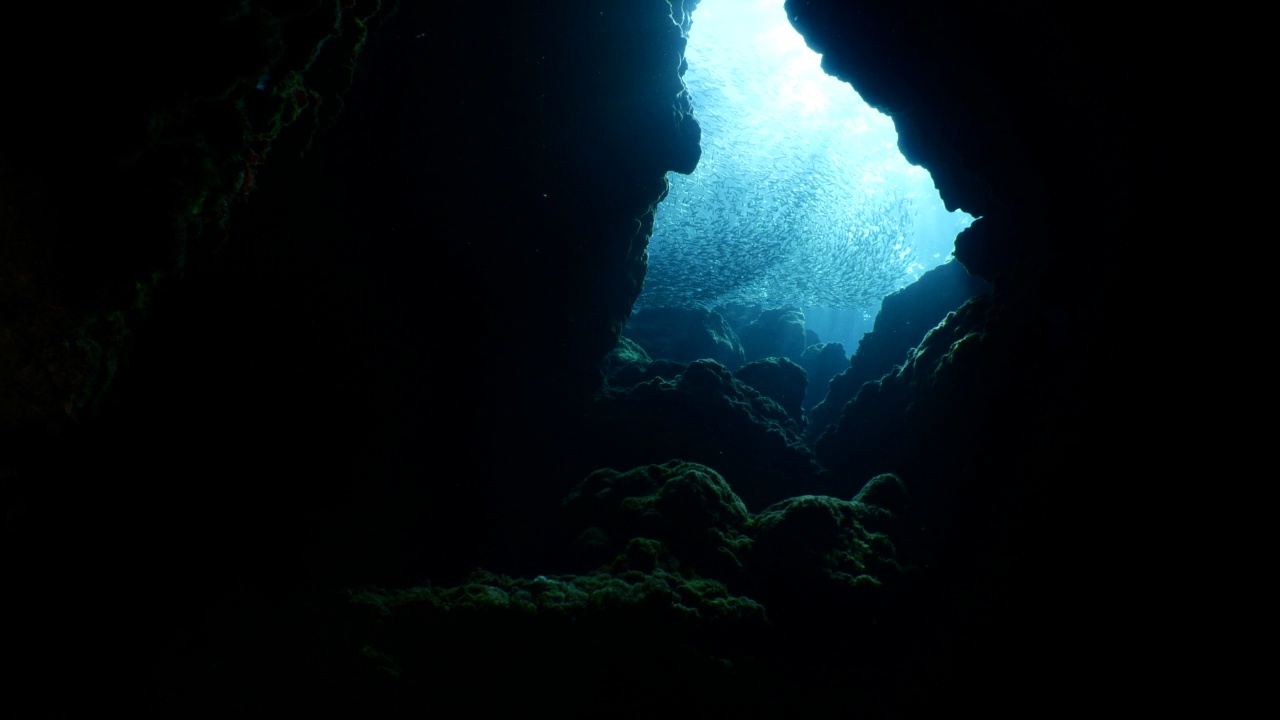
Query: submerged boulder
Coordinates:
[904,319]
[683,517]
[822,361]
[780,380]
[778,332]
[685,335]
[704,415]
[685,507]
[813,557]
[629,365]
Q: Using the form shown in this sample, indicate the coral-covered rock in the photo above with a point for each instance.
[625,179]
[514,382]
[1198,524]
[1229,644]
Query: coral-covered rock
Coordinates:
[577,643]
[938,378]
[883,504]
[685,335]
[813,551]
[778,332]
[904,318]
[780,380]
[627,352]
[704,415]
[687,507]
[821,361]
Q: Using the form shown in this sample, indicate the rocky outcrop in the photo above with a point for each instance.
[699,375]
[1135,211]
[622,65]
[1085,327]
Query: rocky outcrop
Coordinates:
[685,335]
[704,415]
[780,380]
[904,319]
[777,332]
[822,362]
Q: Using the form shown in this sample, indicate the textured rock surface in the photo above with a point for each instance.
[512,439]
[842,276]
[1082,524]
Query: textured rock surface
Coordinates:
[704,415]
[673,593]
[776,332]
[780,380]
[687,507]
[685,335]
[130,180]
[822,362]
[903,320]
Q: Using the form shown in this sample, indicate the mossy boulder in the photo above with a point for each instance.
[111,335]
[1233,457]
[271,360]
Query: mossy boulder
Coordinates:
[689,509]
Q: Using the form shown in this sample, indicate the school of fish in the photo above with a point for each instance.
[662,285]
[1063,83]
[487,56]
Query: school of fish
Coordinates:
[794,201]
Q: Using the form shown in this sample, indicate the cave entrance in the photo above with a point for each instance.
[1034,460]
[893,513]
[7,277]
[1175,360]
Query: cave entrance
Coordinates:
[801,197]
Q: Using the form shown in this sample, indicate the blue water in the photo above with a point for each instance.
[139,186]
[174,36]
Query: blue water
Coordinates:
[801,197]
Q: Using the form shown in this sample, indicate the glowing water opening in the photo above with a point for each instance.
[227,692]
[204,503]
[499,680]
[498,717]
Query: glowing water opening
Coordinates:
[801,197]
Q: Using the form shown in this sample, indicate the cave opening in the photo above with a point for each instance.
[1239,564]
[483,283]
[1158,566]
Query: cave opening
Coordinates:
[801,198]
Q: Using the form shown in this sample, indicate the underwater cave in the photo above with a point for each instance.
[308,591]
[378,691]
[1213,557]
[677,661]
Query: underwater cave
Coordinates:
[800,218]
[801,198]
[325,389]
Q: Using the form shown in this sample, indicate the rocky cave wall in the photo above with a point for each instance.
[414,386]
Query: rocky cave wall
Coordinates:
[1013,422]
[1037,121]
[436,257]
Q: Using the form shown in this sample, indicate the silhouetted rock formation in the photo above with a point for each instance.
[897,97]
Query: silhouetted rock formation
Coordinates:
[685,335]
[780,380]
[903,320]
